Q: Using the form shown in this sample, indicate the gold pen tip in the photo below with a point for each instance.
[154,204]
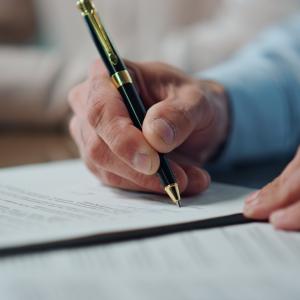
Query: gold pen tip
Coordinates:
[173,192]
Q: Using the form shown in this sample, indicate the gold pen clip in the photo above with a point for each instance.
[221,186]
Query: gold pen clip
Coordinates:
[88,9]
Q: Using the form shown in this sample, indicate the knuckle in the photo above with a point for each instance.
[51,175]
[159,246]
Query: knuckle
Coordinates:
[277,184]
[179,116]
[118,136]
[125,149]
[96,83]
[288,189]
[201,106]
[100,154]
[269,188]
[104,158]
[141,179]
[279,189]
[96,112]
[148,182]
[186,115]
[93,150]
[117,144]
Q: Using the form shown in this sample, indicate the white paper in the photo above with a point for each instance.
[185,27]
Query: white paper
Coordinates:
[60,201]
[249,262]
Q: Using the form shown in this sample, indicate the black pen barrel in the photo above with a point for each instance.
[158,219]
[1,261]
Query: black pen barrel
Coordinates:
[130,95]
[137,112]
[134,104]
[112,69]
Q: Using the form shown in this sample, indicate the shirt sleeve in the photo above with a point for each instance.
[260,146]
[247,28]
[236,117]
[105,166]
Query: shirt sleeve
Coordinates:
[263,84]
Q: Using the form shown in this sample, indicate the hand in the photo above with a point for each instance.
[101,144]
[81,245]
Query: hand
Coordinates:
[186,116]
[280,200]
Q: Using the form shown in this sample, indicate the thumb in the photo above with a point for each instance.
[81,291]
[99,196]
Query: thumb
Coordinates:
[170,122]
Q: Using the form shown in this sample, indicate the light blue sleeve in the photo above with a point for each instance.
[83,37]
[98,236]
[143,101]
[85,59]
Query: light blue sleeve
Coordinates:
[263,84]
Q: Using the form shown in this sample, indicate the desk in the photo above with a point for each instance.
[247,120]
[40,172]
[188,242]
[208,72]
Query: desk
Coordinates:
[21,148]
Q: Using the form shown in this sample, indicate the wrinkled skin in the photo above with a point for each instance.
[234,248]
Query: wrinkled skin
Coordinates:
[187,117]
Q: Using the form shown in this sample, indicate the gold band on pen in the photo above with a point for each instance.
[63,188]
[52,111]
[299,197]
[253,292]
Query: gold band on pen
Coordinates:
[121,78]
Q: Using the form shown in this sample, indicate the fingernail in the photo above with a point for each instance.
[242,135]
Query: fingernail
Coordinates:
[252,197]
[278,217]
[142,163]
[163,129]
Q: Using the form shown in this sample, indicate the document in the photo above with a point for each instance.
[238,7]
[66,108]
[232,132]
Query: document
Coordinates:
[249,262]
[63,201]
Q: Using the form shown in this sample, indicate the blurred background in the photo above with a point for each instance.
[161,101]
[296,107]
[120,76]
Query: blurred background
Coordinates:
[45,50]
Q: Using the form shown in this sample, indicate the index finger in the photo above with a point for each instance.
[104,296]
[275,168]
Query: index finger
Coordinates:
[108,115]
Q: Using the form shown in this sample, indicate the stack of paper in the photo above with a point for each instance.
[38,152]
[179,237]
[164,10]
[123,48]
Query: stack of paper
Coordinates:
[63,201]
[62,204]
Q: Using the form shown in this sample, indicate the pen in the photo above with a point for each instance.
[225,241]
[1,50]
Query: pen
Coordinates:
[123,82]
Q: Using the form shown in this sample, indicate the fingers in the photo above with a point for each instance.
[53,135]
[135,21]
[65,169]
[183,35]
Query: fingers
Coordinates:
[113,180]
[169,123]
[141,182]
[102,162]
[116,151]
[198,180]
[108,115]
[191,181]
[98,102]
[281,193]
[116,181]
[288,218]
[152,78]
[99,157]
[274,196]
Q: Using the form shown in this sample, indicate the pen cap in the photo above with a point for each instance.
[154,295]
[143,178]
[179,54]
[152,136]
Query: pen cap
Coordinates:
[86,7]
